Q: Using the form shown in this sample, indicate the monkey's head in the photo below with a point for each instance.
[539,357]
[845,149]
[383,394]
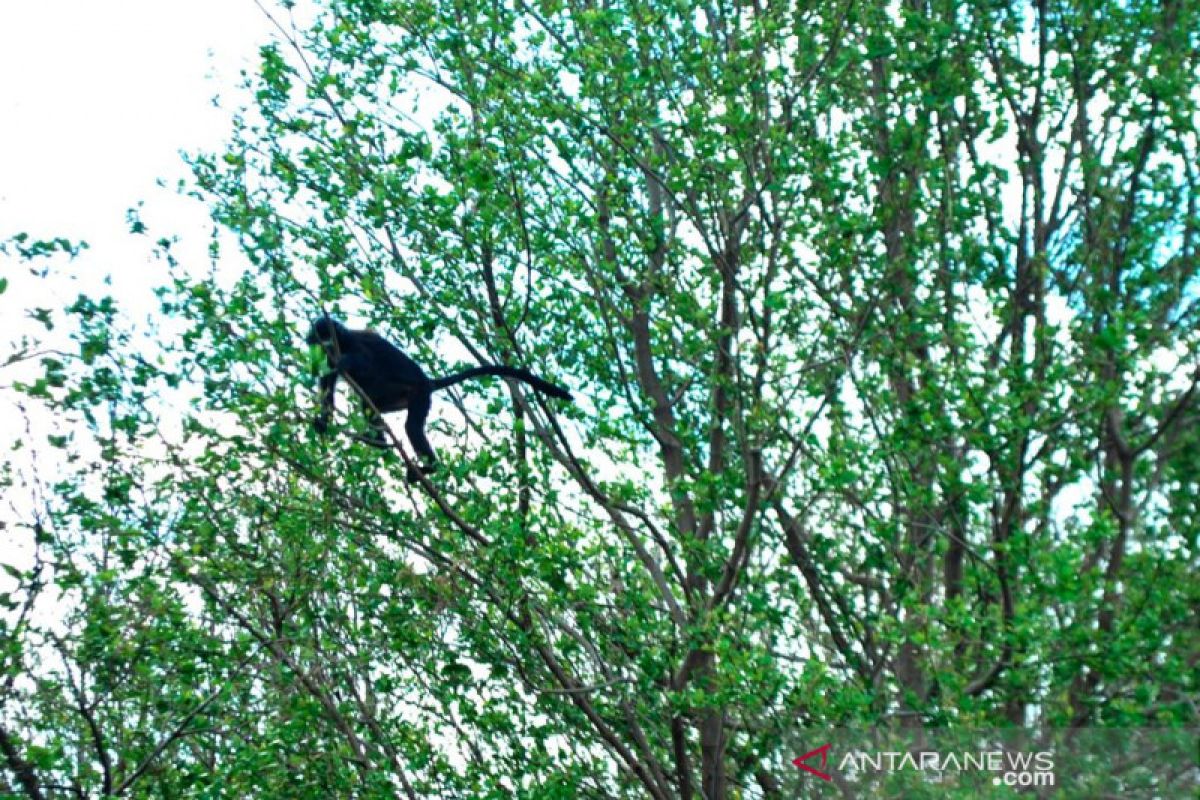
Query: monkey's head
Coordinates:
[325,331]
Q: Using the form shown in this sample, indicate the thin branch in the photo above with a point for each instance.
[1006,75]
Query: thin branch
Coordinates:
[176,733]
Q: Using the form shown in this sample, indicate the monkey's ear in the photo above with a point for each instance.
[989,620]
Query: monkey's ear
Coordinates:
[316,359]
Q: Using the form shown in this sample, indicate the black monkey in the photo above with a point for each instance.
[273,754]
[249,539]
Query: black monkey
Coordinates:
[391,381]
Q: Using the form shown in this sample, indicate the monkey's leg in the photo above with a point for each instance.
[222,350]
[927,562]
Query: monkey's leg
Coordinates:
[418,409]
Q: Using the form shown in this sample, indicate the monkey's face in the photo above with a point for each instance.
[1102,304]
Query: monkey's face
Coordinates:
[322,332]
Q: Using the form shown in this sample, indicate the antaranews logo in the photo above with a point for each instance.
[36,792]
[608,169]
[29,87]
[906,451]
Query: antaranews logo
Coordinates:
[983,763]
[823,752]
[1010,768]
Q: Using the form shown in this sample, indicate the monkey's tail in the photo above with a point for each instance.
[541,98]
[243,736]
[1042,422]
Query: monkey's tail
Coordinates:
[545,387]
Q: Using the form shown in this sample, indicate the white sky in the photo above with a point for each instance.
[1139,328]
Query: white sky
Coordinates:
[97,99]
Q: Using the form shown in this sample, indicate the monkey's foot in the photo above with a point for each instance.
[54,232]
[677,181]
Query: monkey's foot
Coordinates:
[413,474]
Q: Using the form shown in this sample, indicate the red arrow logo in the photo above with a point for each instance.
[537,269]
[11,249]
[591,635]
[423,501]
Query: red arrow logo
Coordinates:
[823,752]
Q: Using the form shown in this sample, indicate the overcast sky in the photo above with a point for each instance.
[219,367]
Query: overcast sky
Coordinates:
[97,99]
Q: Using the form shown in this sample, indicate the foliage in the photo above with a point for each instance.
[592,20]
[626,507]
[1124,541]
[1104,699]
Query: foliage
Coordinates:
[883,323]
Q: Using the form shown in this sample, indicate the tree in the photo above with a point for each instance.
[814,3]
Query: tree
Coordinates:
[883,323]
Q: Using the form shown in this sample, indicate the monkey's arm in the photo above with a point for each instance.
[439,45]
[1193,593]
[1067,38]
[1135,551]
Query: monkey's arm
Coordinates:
[325,388]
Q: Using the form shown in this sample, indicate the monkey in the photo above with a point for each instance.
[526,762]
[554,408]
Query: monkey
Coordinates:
[391,381]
